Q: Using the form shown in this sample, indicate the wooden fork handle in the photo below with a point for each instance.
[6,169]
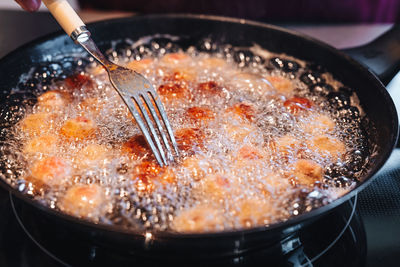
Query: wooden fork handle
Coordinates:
[65,15]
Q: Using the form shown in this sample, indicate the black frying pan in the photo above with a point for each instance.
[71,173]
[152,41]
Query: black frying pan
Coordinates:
[373,96]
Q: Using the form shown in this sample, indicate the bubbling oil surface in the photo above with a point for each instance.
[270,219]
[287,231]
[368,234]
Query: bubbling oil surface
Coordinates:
[261,157]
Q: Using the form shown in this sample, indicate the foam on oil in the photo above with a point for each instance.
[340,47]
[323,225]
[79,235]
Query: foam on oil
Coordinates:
[234,191]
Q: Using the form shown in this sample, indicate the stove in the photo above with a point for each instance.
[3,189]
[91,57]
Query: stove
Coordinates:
[338,239]
[364,231]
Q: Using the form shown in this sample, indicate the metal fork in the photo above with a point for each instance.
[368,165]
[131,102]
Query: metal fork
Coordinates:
[136,91]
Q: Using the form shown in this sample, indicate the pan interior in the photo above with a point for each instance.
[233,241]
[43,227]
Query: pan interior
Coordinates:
[46,73]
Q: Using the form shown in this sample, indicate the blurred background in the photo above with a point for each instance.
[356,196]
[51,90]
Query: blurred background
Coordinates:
[327,11]
[267,10]
[367,18]
[11,4]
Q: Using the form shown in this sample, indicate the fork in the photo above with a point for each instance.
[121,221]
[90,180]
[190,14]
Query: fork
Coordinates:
[135,90]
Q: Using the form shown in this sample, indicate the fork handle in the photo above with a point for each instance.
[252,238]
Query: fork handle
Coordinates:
[67,18]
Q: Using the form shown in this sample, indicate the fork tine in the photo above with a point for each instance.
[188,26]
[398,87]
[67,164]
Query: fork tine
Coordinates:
[163,114]
[151,127]
[144,130]
[150,90]
[160,128]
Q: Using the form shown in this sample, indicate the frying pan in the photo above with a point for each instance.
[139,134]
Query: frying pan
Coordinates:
[382,56]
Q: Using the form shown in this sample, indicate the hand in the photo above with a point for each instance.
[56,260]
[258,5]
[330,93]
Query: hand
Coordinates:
[29,5]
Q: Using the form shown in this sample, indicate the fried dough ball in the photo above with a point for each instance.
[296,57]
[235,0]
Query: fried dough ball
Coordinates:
[318,124]
[51,170]
[91,105]
[285,146]
[245,111]
[188,139]
[174,93]
[53,100]
[198,167]
[181,75]
[78,82]
[253,211]
[212,62]
[38,123]
[148,174]
[83,200]
[251,82]
[78,128]
[167,176]
[307,172]
[200,218]
[148,168]
[249,156]
[200,114]
[44,144]
[295,104]
[209,89]
[175,59]
[273,184]
[92,155]
[283,85]
[140,65]
[217,186]
[249,152]
[327,146]
[136,147]
[239,131]
[144,183]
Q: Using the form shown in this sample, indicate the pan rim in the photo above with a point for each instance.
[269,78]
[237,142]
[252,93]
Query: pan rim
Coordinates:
[314,214]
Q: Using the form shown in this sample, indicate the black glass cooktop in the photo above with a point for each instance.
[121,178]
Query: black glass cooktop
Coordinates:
[363,232]
[338,239]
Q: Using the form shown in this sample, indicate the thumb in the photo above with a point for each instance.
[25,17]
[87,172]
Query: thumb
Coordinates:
[29,5]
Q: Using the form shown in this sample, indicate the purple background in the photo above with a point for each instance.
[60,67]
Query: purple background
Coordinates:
[266,10]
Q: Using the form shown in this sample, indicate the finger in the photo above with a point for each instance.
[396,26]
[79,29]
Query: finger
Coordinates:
[29,5]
